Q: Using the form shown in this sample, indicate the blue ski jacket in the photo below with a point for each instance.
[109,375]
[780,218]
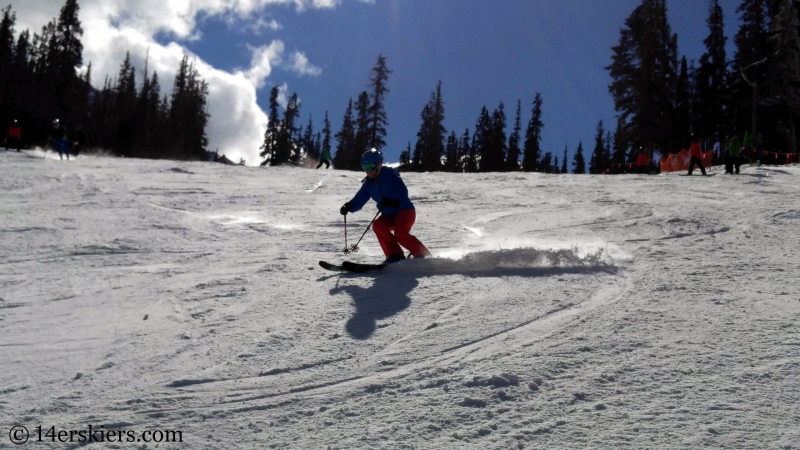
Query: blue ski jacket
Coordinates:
[387,184]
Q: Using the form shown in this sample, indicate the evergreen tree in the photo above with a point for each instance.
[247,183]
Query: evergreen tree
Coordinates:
[21,84]
[785,79]
[512,162]
[751,45]
[6,61]
[600,159]
[270,145]
[533,136]
[101,126]
[154,121]
[546,164]
[564,162]
[287,148]
[683,105]
[451,153]
[422,135]
[578,163]
[362,129]
[145,116]
[643,70]
[498,142]
[318,143]
[345,142]
[711,77]
[124,108]
[473,156]
[429,150]
[377,121]
[609,144]
[311,151]
[556,169]
[326,136]
[70,58]
[405,158]
[196,117]
[466,156]
[481,140]
[437,133]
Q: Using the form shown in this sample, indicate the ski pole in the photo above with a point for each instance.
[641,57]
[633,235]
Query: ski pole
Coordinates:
[355,246]
[346,250]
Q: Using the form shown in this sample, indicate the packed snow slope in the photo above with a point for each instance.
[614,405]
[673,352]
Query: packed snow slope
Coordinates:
[558,312]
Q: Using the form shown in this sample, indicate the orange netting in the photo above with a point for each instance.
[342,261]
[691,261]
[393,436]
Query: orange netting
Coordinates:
[680,161]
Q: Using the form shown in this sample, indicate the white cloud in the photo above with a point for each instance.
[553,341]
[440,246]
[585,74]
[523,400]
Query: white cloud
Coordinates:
[299,63]
[262,24]
[112,27]
[268,56]
[264,58]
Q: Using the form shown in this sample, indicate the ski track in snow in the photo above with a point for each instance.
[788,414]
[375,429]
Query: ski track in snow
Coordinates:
[557,311]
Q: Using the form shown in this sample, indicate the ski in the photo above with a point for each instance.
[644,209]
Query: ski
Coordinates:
[359,268]
[331,267]
[348,266]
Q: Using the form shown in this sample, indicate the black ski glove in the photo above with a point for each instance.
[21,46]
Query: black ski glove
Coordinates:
[390,202]
[345,209]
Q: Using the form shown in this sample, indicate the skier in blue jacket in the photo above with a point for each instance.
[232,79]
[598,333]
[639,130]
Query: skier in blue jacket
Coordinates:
[384,185]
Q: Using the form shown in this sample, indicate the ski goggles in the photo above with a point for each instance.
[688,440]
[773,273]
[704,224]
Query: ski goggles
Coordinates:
[369,167]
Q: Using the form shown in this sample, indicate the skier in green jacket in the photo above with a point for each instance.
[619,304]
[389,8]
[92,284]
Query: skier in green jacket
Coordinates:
[732,160]
[325,157]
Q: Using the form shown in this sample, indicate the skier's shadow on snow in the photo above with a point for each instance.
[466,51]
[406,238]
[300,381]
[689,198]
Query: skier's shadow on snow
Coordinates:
[386,297]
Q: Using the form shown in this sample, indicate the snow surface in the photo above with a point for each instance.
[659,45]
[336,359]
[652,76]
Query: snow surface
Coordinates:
[559,311]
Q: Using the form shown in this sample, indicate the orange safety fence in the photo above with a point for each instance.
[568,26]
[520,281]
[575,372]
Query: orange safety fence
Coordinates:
[676,162]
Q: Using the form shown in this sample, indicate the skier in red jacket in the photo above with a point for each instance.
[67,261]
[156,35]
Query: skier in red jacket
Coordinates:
[393,227]
[14,136]
[697,156]
[641,162]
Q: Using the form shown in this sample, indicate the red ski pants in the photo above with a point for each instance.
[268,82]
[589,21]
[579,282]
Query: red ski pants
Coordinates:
[401,225]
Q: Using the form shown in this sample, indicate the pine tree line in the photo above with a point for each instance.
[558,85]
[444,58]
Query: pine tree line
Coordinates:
[40,82]
[663,99]
[285,143]
[487,149]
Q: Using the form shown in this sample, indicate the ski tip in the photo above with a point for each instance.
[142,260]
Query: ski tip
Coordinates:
[333,267]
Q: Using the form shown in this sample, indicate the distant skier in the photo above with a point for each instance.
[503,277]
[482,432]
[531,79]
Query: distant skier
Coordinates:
[384,185]
[641,162]
[59,135]
[325,158]
[697,157]
[732,158]
[14,138]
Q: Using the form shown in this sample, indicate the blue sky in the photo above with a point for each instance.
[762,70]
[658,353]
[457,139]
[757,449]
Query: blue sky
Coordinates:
[483,51]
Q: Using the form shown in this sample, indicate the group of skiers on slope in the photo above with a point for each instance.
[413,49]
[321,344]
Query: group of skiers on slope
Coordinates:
[58,136]
[397,213]
[733,154]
